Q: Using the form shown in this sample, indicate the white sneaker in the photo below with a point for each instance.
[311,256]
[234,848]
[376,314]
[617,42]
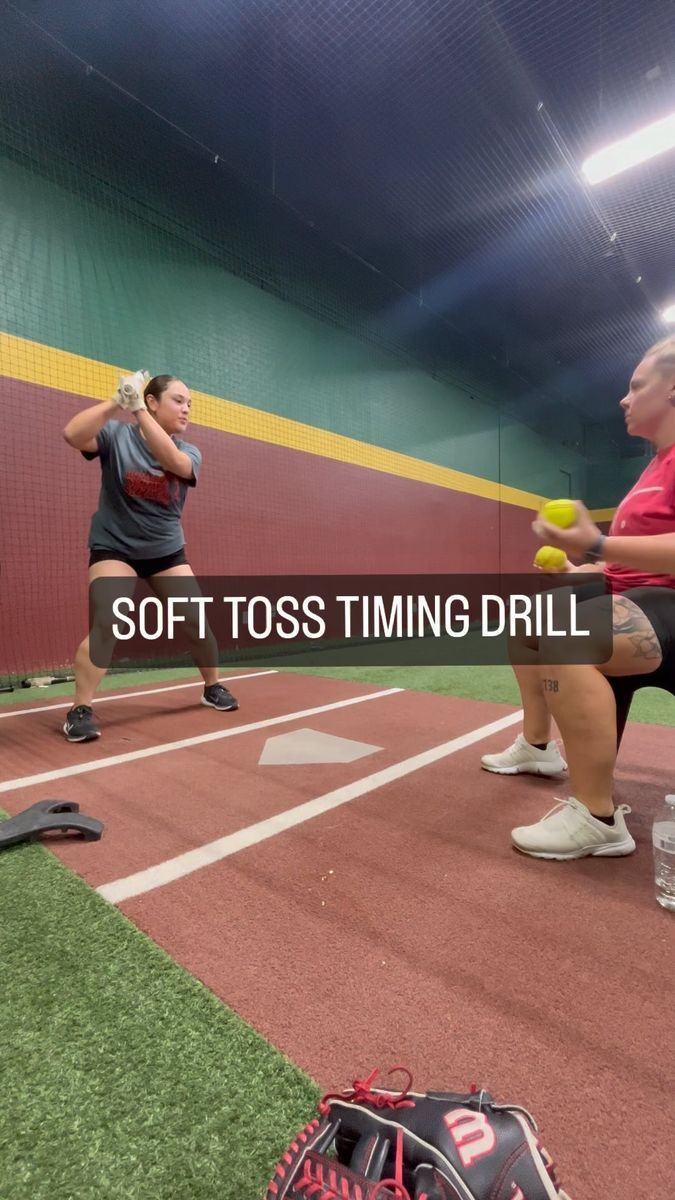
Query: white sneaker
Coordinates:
[522,758]
[570,831]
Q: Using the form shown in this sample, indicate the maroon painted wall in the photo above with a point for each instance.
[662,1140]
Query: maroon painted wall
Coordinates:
[259,509]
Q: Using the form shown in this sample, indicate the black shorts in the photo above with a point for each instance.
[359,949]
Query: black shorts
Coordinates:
[144,567]
[658,605]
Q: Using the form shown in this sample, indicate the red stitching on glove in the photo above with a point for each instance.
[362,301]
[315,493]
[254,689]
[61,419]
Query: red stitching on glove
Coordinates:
[362,1093]
[280,1170]
[550,1165]
[395,1186]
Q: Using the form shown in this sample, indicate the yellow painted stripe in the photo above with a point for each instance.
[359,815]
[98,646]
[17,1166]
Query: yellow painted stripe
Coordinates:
[49,367]
[602,514]
[46,366]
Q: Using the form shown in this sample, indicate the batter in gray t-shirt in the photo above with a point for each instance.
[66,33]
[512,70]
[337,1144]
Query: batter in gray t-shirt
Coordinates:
[140,504]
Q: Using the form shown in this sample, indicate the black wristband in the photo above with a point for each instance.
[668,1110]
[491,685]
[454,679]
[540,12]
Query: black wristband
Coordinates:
[594,552]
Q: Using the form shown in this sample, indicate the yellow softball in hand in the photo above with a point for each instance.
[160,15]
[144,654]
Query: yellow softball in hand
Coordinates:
[548,558]
[559,512]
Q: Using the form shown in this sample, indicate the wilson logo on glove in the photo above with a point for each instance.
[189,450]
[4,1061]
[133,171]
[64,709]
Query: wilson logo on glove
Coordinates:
[472,1134]
[374,1144]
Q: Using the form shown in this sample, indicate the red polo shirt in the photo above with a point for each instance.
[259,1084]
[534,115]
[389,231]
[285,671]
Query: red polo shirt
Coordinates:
[649,508]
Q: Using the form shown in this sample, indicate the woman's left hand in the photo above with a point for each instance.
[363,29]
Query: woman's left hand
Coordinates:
[577,540]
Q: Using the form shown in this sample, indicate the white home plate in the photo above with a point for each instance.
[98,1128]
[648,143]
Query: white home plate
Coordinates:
[310,746]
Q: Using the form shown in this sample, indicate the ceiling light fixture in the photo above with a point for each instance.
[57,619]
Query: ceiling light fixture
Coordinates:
[637,148]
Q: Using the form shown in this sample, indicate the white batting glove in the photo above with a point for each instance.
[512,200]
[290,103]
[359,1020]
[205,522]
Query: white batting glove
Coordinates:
[129,395]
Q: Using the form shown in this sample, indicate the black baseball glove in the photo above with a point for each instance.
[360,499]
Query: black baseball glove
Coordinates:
[374,1144]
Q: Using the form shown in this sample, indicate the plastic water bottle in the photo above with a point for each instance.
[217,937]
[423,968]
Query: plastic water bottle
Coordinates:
[663,841]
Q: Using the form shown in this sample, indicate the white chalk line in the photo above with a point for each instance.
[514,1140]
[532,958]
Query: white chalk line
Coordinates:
[115,760]
[104,698]
[203,856]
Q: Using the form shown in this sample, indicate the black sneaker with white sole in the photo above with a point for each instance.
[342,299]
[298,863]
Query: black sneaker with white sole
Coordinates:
[217,696]
[80,724]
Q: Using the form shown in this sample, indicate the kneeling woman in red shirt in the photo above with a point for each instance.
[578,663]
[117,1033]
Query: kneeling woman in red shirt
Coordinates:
[637,558]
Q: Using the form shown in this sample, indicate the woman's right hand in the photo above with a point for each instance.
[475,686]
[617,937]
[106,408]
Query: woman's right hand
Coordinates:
[583,568]
[129,394]
[568,569]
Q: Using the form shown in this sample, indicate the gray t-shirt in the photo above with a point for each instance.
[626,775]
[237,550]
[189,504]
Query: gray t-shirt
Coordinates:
[140,504]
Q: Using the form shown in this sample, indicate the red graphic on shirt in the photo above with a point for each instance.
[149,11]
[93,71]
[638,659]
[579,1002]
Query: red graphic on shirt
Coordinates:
[159,489]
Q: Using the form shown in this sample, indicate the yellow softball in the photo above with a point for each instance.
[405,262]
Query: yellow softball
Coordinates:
[548,558]
[559,512]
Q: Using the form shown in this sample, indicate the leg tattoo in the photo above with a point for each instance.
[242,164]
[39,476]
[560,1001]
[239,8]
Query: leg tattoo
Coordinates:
[550,685]
[630,622]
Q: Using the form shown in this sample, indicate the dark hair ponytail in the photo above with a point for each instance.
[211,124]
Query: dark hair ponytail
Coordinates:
[157,386]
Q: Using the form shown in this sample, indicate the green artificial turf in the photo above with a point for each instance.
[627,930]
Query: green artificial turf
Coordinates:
[496,684]
[116,680]
[122,1077]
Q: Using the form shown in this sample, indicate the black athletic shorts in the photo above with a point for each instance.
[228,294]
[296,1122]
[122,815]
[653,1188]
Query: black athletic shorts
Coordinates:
[144,567]
[658,605]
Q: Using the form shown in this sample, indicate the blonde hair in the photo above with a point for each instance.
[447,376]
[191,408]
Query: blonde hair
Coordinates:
[664,353]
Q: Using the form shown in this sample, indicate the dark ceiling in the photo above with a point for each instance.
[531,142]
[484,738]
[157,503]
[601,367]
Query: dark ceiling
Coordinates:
[440,141]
